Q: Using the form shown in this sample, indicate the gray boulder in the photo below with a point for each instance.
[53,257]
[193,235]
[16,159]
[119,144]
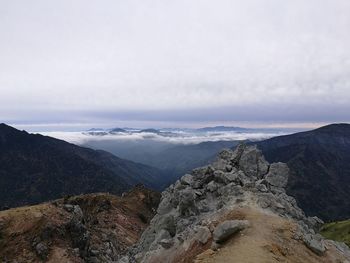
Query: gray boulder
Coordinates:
[165,205]
[226,177]
[243,179]
[124,259]
[202,234]
[230,190]
[315,223]
[187,179]
[162,235]
[187,205]
[229,168]
[226,155]
[253,163]
[166,243]
[315,244]
[237,154]
[167,223]
[262,188]
[42,250]
[278,175]
[226,229]
[212,186]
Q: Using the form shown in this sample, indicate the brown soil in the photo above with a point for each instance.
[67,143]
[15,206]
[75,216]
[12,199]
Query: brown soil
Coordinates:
[269,239]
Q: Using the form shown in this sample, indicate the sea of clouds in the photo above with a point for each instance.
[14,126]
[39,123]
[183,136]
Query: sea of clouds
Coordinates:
[176,137]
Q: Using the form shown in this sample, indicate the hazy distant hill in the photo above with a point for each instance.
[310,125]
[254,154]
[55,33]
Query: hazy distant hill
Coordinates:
[117,130]
[223,129]
[320,164]
[174,160]
[181,159]
[36,168]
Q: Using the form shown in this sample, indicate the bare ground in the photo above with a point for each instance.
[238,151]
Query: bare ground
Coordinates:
[270,239]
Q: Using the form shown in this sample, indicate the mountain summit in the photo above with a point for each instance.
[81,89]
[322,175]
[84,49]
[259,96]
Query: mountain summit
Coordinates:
[234,210]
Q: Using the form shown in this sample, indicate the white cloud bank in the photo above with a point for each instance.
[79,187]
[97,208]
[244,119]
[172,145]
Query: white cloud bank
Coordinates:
[178,138]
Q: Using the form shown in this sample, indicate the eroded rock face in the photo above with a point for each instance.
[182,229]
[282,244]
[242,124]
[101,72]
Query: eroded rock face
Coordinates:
[315,243]
[189,207]
[252,162]
[278,175]
[87,228]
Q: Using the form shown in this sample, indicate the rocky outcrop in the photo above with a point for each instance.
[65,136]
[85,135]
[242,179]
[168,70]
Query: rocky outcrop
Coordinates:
[198,211]
[319,162]
[87,228]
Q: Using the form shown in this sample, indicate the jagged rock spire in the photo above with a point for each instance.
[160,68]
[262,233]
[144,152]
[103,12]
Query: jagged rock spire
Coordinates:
[237,178]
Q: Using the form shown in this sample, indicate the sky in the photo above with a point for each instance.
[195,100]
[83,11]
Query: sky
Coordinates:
[174,63]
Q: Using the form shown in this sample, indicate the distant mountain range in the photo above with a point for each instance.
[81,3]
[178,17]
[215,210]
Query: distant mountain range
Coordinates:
[223,129]
[117,130]
[320,165]
[36,168]
[174,131]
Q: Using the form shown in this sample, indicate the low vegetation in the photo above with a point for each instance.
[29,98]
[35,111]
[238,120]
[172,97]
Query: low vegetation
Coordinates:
[338,231]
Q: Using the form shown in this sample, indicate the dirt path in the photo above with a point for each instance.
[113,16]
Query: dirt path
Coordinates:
[268,240]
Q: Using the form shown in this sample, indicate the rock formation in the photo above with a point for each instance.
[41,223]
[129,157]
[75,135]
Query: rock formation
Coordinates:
[239,194]
[319,163]
[86,228]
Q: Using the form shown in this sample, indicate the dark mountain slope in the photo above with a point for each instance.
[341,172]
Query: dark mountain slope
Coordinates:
[174,159]
[320,164]
[36,168]
[181,159]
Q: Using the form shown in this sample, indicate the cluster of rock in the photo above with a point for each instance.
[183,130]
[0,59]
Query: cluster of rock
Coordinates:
[86,228]
[236,178]
[75,229]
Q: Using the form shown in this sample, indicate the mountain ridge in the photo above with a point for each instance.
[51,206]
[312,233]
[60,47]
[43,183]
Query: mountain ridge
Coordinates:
[320,168]
[36,168]
[234,210]
[76,229]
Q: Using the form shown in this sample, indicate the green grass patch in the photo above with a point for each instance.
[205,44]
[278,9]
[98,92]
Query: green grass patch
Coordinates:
[338,231]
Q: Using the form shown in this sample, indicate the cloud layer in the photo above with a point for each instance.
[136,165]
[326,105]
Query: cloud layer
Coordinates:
[176,138]
[82,60]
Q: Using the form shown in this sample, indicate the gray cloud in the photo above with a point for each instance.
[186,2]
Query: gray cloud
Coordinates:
[258,60]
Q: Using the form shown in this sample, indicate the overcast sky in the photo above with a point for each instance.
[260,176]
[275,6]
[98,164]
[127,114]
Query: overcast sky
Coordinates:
[184,61]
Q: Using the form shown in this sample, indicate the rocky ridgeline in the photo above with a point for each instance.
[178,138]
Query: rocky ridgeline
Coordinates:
[77,228]
[89,228]
[191,210]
